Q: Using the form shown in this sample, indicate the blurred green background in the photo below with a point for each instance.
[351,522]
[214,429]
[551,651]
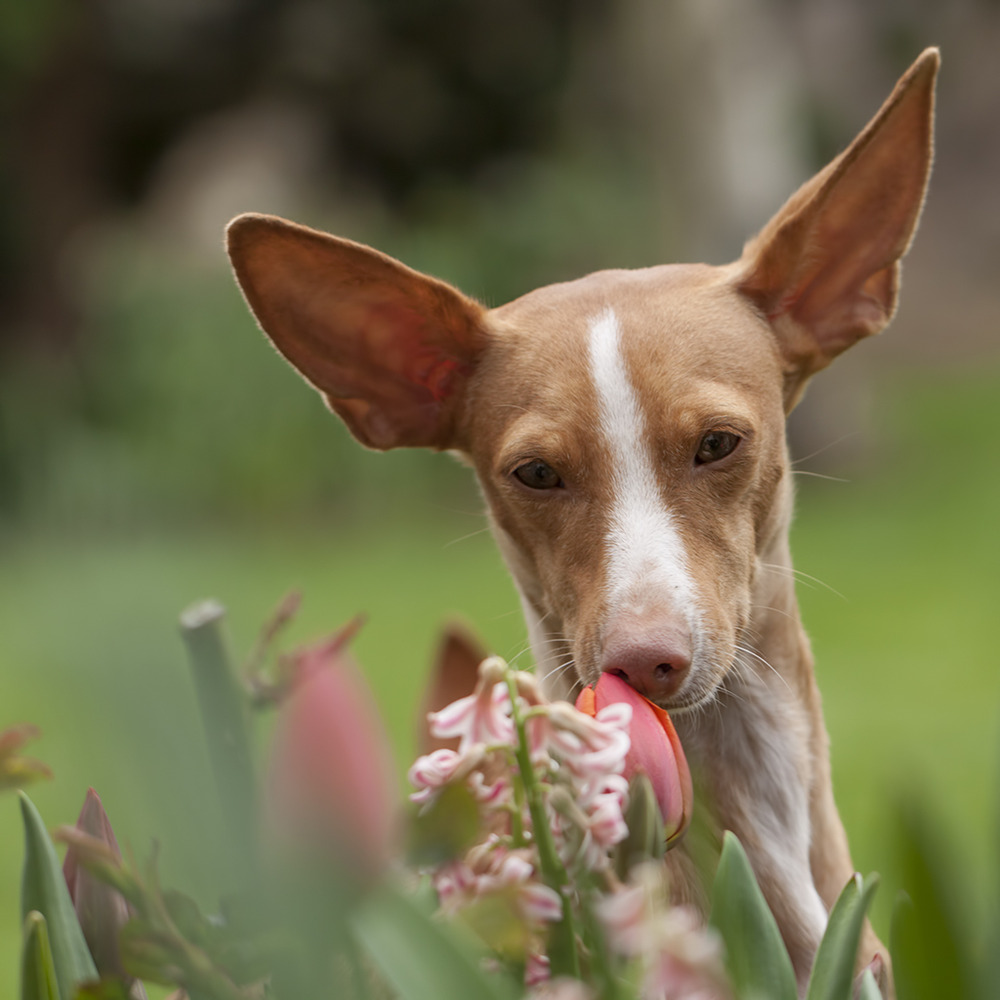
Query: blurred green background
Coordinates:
[154,449]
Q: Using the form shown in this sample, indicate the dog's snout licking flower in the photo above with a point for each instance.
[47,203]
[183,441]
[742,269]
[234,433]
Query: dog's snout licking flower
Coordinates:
[655,749]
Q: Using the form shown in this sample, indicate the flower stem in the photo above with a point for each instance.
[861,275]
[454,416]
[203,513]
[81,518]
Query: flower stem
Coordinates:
[516,814]
[223,713]
[563,957]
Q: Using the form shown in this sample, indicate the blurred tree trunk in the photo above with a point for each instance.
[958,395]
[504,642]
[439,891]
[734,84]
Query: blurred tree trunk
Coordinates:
[708,100]
[53,136]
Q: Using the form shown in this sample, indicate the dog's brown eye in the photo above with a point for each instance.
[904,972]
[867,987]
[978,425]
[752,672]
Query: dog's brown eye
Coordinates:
[716,445]
[538,476]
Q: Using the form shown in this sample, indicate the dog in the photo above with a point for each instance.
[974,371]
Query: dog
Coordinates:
[627,431]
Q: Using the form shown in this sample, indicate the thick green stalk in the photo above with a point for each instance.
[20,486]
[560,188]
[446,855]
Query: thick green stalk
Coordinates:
[516,822]
[563,957]
[223,714]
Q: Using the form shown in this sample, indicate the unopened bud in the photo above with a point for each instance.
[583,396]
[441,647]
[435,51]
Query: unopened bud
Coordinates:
[646,840]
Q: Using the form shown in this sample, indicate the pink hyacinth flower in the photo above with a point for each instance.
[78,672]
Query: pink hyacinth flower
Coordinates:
[430,773]
[655,749]
[331,781]
[593,744]
[605,820]
[482,717]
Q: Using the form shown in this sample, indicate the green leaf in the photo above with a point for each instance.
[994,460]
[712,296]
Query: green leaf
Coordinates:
[756,959]
[868,989]
[833,971]
[496,920]
[38,974]
[421,957]
[927,940]
[445,828]
[107,989]
[43,888]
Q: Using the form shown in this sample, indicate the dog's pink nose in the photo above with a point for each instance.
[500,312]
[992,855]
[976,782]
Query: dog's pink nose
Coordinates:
[653,659]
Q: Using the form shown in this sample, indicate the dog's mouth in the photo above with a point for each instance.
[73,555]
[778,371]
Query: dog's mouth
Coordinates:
[574,663]
[700,686]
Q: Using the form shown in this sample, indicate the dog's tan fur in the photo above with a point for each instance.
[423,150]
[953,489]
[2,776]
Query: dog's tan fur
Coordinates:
[407,360]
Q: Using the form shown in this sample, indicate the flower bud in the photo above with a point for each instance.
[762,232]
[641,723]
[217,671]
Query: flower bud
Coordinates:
[101,909]
[655,750]
[331,782]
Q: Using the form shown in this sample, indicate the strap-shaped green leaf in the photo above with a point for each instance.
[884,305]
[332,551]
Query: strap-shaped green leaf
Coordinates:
[929,938]
[833,971]
[868,989]
[756,958]
[420,957]
[38,974]
[43,888]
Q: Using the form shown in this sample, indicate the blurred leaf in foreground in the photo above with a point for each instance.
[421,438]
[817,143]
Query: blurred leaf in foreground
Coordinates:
[833,970]
[756,959]
[930,947]
[38,974]
[43,889]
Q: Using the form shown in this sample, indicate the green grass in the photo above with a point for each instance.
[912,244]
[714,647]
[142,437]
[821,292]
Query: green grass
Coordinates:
[907,660]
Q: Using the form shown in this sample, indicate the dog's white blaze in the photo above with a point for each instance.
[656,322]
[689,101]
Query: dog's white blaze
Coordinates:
[647,562]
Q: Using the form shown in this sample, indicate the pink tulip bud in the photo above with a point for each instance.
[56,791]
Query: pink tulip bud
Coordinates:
[101,910]
[331,783]
[655,749]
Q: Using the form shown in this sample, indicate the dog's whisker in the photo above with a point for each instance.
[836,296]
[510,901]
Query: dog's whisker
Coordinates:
[465,538]
[521,650]
[825,448]
[557,672]
[562,665]
[555,639]
[505,614]
[791,572]
[819,475]
[514,657]
[767,607]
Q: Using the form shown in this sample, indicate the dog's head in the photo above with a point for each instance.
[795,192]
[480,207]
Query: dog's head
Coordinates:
[627,428]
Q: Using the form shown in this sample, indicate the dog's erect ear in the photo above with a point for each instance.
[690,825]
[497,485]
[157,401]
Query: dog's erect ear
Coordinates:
[390,349]
[825,269]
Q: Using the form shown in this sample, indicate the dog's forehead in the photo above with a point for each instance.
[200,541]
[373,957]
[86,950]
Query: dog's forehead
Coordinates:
[677,326]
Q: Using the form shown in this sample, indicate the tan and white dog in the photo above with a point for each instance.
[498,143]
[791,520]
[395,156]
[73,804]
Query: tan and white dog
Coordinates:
[627,430]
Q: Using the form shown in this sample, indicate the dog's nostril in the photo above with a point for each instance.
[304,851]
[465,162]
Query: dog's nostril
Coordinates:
[662,671]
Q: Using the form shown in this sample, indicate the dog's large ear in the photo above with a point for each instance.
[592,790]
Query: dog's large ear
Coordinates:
[390,349]
[825,269]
